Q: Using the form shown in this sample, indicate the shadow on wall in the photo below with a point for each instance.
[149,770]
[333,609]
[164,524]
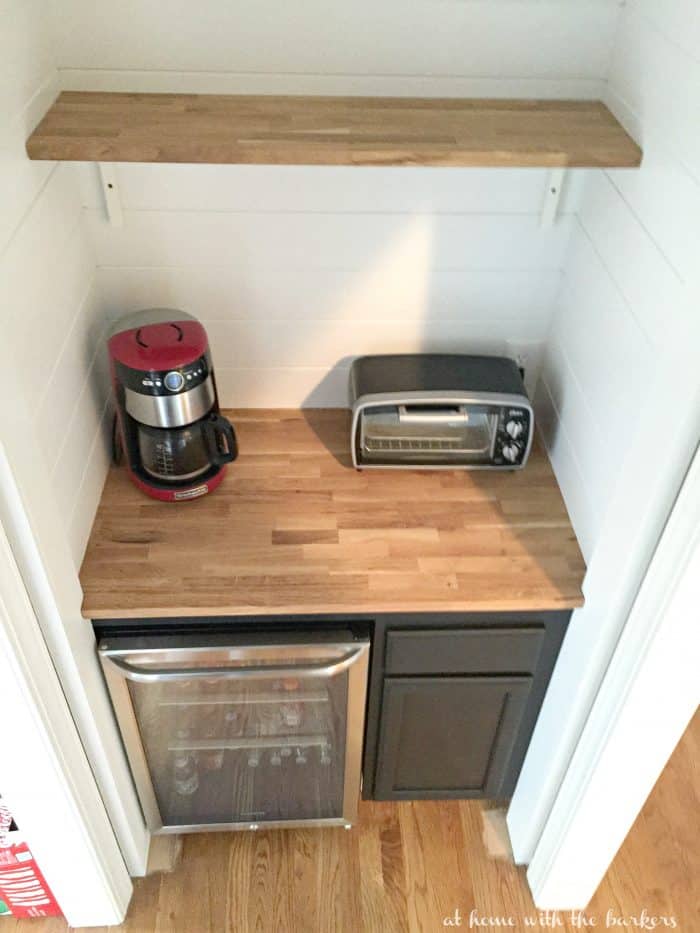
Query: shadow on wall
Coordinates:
[333,389]
[426,290]
[332,431]
[332,428]
[288,298]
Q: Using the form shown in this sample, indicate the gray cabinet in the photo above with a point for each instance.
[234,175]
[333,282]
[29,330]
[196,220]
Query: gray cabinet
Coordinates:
[454,700]
[451,736]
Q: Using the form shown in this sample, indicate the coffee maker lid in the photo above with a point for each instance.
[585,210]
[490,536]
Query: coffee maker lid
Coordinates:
[148,316]
[157,339]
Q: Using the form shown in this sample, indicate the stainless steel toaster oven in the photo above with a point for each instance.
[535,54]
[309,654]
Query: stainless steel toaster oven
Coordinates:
[439,411]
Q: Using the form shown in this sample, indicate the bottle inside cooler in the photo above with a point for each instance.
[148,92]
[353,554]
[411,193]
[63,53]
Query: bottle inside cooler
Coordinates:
[212,759]
[186,774]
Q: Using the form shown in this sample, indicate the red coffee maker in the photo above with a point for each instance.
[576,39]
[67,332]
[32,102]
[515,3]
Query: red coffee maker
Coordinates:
[174,440]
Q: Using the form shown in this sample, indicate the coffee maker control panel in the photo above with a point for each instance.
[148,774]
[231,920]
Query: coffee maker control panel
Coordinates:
[168,382]
[178,379]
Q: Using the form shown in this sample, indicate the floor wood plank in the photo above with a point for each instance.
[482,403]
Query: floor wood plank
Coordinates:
[406,867]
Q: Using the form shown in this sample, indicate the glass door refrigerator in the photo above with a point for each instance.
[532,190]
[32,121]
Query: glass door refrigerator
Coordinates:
[241,730]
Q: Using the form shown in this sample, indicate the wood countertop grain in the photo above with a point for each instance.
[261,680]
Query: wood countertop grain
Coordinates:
[294,528]
[289,130]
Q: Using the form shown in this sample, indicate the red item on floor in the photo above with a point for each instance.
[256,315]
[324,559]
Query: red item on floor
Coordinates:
[23,888]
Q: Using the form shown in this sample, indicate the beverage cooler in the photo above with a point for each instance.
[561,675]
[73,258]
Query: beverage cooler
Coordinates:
[241,730]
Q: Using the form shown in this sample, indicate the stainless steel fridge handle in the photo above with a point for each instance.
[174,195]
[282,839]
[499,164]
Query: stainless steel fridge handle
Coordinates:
[162,675]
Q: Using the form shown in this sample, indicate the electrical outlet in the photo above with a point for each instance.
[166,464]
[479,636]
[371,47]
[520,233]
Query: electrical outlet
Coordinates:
[528,356]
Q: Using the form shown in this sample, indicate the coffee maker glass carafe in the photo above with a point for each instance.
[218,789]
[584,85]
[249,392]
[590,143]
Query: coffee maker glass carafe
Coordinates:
[176,443]
[184,453]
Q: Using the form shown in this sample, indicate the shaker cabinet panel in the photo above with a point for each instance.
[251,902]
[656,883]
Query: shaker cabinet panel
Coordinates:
[448,736]
[513,650]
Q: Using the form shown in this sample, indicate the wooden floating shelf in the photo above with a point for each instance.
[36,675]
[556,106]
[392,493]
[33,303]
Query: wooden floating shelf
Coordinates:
[270,130]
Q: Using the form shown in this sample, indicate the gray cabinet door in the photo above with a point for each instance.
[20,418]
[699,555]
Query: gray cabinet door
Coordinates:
[448,736]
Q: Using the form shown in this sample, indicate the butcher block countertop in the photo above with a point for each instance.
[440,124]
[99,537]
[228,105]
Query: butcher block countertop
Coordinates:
[295,529]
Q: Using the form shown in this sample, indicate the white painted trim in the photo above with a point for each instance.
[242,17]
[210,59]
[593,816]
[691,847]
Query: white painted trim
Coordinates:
[44,773]
[648,695]
[630,533]
[40,547]
[418,85]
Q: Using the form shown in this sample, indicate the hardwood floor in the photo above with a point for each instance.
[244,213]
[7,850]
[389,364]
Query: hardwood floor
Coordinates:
[408,866]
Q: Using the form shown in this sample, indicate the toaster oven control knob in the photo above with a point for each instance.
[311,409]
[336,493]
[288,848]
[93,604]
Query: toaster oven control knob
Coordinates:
[510,452]
[174,381]
[514,429]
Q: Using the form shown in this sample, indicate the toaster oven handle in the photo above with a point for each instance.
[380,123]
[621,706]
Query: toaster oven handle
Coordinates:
[411,415]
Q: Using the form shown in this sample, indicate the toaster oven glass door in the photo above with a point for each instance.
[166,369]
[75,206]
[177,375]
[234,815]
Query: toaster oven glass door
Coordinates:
[420,434]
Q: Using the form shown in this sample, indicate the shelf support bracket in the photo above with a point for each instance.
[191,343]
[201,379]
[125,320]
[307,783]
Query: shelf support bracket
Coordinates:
[552,195]
[110,192]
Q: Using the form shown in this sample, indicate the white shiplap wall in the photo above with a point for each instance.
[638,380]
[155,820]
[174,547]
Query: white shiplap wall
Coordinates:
[54,324]
[295,270]
[425,47]
[619,398]
[631,282]
[50,312]
[52,451]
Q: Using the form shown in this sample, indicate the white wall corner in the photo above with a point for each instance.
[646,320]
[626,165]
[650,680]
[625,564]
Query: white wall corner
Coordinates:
[649,694]
[45,775]
[40,547]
